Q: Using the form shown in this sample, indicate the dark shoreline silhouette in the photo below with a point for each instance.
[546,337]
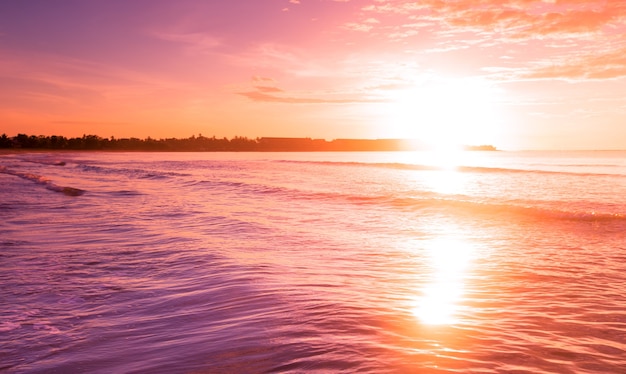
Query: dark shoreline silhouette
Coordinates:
[204,144]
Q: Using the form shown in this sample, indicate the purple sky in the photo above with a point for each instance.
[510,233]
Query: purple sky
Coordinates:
[519,74]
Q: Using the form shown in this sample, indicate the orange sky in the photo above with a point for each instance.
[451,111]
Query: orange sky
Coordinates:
[520,74]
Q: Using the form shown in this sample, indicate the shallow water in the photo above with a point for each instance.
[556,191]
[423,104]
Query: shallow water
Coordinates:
[481,262]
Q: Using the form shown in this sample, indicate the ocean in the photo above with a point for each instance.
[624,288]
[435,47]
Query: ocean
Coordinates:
[400,262]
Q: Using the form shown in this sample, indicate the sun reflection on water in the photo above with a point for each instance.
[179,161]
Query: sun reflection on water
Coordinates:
[446,179]
[440,297]
[448,158]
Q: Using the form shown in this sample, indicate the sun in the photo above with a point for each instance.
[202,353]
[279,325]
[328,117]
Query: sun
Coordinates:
[445,113]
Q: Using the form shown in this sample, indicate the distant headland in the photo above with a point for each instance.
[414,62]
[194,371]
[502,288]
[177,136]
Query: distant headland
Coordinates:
[205,144]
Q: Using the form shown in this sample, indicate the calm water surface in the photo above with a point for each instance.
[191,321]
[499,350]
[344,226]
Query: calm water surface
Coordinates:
[483,262]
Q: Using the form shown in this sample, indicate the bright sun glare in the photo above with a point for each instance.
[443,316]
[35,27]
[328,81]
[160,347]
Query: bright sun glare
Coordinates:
[445,113]
[448,260]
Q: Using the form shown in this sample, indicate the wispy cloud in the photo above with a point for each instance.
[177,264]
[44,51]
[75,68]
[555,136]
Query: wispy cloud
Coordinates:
[195,42]
[89,123]
[512,18]
[277,95]
[258,78]
[268,89]
[364,26]
[606,65]
[559,28]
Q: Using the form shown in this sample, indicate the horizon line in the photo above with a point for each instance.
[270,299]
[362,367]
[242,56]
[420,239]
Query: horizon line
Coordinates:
[416,141]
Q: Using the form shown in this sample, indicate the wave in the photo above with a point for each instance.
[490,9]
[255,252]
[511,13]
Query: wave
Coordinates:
[535,212]
[433,202]
[47,183]
[131,173]
[429,201]
[46,162]
[464,205]
[252,188]
[465,169]
[585,165]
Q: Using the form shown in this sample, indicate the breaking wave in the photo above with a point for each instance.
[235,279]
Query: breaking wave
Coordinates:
[43,181]
[461,168]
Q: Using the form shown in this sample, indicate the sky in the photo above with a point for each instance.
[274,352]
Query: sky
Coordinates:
[518,74]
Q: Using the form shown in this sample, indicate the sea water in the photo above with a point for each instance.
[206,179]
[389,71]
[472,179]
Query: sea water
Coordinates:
[483,262]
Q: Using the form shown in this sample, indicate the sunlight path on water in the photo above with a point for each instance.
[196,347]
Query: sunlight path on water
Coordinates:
[448,253]
[448,260]
[444,177]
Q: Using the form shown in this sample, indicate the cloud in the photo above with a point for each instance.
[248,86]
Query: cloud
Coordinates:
[399,7]
[519,18]
[270,95]
[258,78]
[268,55]
[522,23]
[195,42]
[364,26]
[55,85]
[268,89]
[608,65]
[45,77]
[89,123]
[358,27]
[553,34]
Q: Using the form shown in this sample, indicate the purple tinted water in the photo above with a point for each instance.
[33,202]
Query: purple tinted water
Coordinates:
[353,262]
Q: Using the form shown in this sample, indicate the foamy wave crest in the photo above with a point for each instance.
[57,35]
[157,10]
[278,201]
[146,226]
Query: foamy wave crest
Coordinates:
[130,173]
[434,202]
[460,168]
[465,205]
[535,213]
[251,188]
[46,162]
[48,184]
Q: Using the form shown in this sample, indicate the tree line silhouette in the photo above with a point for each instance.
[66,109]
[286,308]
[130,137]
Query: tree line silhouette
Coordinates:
[205,144]
[94,142]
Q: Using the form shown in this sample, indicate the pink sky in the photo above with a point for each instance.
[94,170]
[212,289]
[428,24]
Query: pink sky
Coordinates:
[520,74]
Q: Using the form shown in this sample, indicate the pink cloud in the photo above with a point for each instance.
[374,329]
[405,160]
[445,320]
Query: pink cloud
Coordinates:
[195,42]
[549,34]
[270,95]
[607,65]
[514,17]
[267,89]
[258,78]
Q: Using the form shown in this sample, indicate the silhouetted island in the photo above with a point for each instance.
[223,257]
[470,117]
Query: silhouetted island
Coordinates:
[204,144]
